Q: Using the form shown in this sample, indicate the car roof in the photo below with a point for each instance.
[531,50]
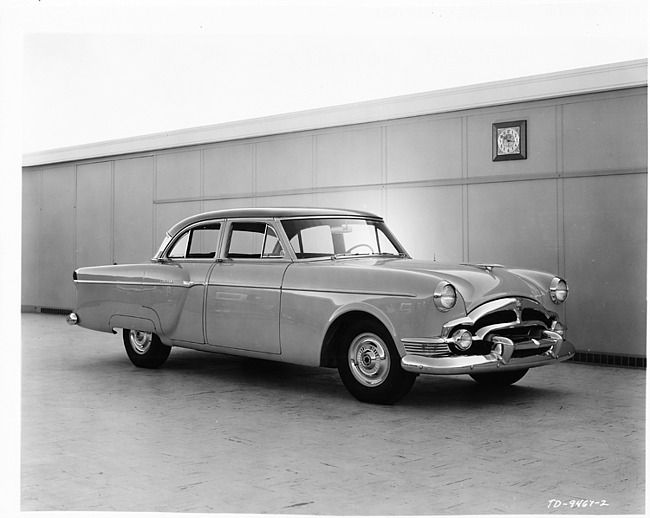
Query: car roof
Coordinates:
[270,212]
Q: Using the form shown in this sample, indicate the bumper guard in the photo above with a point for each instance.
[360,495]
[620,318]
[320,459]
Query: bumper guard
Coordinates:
[500,357]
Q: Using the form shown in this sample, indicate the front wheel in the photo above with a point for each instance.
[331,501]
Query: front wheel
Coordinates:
[145,349]
[499,379]
[369,365]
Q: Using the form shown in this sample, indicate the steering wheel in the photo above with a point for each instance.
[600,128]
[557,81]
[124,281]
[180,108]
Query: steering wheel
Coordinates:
[349,250]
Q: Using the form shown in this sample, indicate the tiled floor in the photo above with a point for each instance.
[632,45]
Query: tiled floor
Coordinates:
[211,433]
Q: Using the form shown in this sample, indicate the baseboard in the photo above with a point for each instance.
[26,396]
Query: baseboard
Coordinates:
[54,311]
[615,360]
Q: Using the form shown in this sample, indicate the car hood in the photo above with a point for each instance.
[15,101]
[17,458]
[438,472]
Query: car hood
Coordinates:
[479,284]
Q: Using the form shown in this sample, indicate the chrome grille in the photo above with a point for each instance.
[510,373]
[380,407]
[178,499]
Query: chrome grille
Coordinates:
[426,349]
[518,314]
[533,315]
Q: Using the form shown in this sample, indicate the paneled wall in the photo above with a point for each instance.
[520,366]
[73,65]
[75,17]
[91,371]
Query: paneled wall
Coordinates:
[576,206]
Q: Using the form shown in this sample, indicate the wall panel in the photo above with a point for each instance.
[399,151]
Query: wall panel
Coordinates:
[284,164]
[227,203]
[287,200]
[133,212]
[31,237]
[94,214]
[428,221]
[606,134]
[228,170]
[57,259]
[359,199]
[349,157]
[514,223]
[606,254]
[424,150]
[178,175]
[168,214]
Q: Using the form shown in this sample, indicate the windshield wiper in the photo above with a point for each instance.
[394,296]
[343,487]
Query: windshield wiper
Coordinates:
[348,254]
[373,254]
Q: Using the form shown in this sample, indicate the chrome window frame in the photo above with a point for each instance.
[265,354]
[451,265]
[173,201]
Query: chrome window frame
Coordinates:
[269,222]
[170,242]
[378,223]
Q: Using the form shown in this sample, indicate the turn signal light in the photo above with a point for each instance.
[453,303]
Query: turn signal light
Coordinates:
[462,339]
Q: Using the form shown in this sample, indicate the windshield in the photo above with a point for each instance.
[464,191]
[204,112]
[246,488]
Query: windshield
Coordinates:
[326,237]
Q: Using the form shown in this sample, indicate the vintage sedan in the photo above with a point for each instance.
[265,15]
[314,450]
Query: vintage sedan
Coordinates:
[329,288]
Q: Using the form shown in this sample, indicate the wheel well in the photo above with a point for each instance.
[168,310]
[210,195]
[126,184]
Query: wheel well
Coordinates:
[336,331]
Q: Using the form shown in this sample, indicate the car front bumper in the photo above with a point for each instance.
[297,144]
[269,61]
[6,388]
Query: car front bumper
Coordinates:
[503,357]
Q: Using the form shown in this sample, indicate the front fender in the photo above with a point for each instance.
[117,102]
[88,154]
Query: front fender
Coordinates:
[366,308]
[539,280]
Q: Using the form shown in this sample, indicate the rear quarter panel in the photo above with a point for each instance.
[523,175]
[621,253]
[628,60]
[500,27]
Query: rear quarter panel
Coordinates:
[149,297]
[106,291]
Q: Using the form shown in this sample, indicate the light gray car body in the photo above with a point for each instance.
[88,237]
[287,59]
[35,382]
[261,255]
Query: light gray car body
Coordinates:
[287,307]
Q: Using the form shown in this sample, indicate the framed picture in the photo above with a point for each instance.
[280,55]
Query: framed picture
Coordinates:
[509,141]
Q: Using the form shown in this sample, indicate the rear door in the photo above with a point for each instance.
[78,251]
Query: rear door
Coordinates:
[175,288]
[244,289]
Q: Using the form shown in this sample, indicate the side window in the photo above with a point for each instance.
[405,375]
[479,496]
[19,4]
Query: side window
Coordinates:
[204,241]
[272,247]
[179,250]
[385,245]
[253,241]
[198,243]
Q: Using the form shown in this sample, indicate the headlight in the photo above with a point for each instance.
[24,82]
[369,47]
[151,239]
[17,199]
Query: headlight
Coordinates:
[444,296]
[559,290]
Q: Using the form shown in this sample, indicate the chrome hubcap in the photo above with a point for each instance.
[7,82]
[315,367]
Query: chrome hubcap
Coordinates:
[369,359]
[140,341]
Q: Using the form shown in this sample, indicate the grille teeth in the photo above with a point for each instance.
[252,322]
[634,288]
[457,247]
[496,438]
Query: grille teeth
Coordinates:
[511,318]
[428,350]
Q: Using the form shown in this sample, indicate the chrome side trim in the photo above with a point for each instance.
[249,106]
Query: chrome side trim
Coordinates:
[127,283]
[184,284]
[350,292]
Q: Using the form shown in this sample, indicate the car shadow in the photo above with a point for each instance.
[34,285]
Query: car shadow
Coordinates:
[301,381]
[462,391]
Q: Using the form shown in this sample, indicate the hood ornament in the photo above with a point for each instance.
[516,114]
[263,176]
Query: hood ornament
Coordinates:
[484,266]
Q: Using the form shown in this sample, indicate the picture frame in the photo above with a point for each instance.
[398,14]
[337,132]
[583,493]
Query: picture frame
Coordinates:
[509,140]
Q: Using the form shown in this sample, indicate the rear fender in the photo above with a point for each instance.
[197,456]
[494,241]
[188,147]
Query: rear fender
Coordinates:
[138,324]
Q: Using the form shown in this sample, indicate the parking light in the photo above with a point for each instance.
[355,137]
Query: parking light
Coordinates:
[462,339]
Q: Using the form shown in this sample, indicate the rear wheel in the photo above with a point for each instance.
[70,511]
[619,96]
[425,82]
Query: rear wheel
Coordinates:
[369,365]
[145,349]
[499,379]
